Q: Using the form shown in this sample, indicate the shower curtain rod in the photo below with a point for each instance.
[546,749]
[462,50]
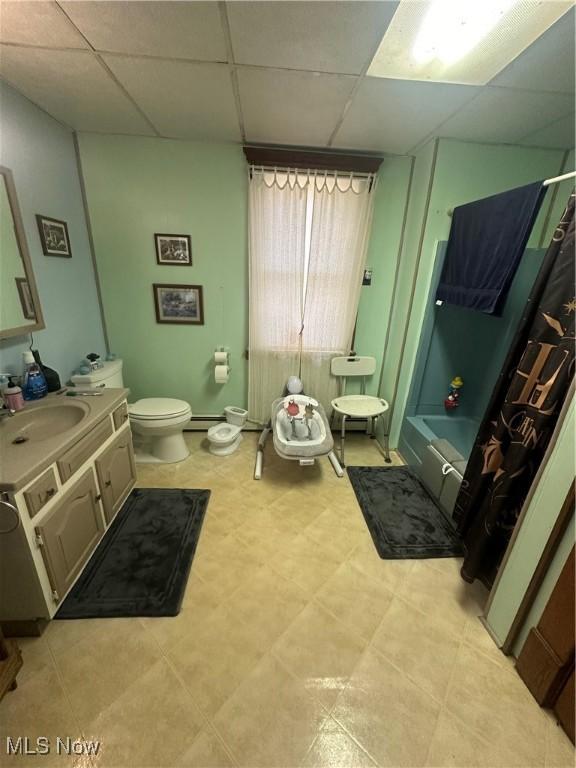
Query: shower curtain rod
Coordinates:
[556,179]
[545,183]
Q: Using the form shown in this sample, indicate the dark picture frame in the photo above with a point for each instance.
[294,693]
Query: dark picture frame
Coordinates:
[54,237]
[173,250]
[26,299]
[178,304]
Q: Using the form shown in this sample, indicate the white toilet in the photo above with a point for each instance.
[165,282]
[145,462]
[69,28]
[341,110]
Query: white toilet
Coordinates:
[157,422]
[225,437]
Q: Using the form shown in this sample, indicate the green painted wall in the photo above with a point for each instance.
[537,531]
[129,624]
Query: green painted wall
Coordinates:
[40,153]
[422,171]
[383,251]
[541,514]
[463,172]
[136,187]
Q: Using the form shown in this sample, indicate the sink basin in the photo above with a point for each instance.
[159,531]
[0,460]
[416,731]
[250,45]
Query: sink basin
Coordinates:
[42,422]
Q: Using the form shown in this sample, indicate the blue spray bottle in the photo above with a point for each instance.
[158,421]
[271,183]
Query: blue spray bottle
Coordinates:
[34,386]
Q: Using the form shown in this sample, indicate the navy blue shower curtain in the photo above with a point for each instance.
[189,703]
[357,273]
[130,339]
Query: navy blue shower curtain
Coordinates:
[487,240]
[522,413]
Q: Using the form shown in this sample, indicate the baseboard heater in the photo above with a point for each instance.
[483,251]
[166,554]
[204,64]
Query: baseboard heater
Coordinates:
[203,423]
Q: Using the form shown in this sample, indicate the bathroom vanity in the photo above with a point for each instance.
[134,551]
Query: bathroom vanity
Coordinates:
[67,466]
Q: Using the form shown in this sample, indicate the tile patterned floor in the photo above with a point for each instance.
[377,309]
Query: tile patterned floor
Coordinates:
[296,646]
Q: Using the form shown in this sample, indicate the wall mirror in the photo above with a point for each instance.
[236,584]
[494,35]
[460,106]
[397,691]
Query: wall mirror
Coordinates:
[20,310]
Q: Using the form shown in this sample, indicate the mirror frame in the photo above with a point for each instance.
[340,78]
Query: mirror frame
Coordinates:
[21,330]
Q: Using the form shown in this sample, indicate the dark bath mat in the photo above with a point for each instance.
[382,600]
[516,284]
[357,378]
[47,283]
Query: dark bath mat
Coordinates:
[141,566]
[404,521]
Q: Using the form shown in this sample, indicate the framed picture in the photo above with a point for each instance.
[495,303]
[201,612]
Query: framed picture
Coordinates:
[173,249]
[54,237]
[179,304]
[25,298]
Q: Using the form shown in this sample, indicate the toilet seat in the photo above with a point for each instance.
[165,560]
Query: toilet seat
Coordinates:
[156,408]
[223,433]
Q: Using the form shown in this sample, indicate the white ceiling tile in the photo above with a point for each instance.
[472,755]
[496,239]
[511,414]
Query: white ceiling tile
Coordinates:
[557,135]
[37,23]
[73,87]
[395,115]
[190,30]
[292,107]
[183,100]
[548,64]
[506,115]
[317,36]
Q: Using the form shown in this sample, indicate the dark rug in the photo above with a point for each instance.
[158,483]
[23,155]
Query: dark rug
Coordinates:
[404,521]
[141,566]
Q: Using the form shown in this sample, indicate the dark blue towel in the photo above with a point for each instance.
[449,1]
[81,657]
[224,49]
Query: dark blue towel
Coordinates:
[487,240]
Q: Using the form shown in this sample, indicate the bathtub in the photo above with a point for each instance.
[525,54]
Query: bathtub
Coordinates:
[419,449]
[419,431]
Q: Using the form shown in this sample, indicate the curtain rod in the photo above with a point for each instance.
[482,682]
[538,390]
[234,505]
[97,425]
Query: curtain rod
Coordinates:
[556,179]
[545,183]
[286,169]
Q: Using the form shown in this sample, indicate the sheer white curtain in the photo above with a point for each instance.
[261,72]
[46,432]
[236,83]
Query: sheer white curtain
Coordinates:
[277,252]
[308,238]
[341,219]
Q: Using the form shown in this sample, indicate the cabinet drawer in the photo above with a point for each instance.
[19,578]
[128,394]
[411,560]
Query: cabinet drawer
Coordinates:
[73,459]
[40,492]
[120,415]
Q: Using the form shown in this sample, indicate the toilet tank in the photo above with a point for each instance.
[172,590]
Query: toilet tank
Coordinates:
[110,375]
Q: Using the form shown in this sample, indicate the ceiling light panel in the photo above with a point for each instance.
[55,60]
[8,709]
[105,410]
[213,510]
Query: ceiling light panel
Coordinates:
[460,41]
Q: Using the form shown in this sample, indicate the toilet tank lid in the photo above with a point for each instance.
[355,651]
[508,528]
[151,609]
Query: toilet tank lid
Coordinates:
[109,368]
[150,407]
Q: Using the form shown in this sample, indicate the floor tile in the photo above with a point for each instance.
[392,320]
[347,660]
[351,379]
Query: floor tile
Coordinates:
[271,720]
[267,604]
[560,751]
[440,594]
[388,715]
[357,600]
[199,602]
[215,660]
[39,708]
[419,645]
[96,670]
[307,563]
[36,656]
[390,573]
[224,563]
[495,701]
[454,745]
[320,651]
[334,748]
[207,751]
[150,724]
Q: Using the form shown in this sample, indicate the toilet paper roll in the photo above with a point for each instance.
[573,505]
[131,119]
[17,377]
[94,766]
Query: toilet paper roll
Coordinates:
[221,374]
[221,358]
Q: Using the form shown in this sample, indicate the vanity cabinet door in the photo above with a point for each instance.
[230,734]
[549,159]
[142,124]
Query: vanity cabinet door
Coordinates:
[69,533]
[116,473]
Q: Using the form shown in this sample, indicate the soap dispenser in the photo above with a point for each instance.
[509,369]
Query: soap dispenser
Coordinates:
[34,386]
[12,395]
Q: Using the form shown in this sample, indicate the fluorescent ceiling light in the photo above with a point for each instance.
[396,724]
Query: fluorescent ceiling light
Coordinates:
[460,41]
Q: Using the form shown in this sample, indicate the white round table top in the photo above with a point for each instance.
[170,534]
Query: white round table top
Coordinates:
[362,406]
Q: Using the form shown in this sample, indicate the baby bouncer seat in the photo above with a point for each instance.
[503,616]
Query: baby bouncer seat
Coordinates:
[301,433]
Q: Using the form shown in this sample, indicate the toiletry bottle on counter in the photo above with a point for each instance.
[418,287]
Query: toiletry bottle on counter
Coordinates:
[34,382]
[12,395]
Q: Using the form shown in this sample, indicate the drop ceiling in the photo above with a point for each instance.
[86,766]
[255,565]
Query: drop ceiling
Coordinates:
[269,72]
